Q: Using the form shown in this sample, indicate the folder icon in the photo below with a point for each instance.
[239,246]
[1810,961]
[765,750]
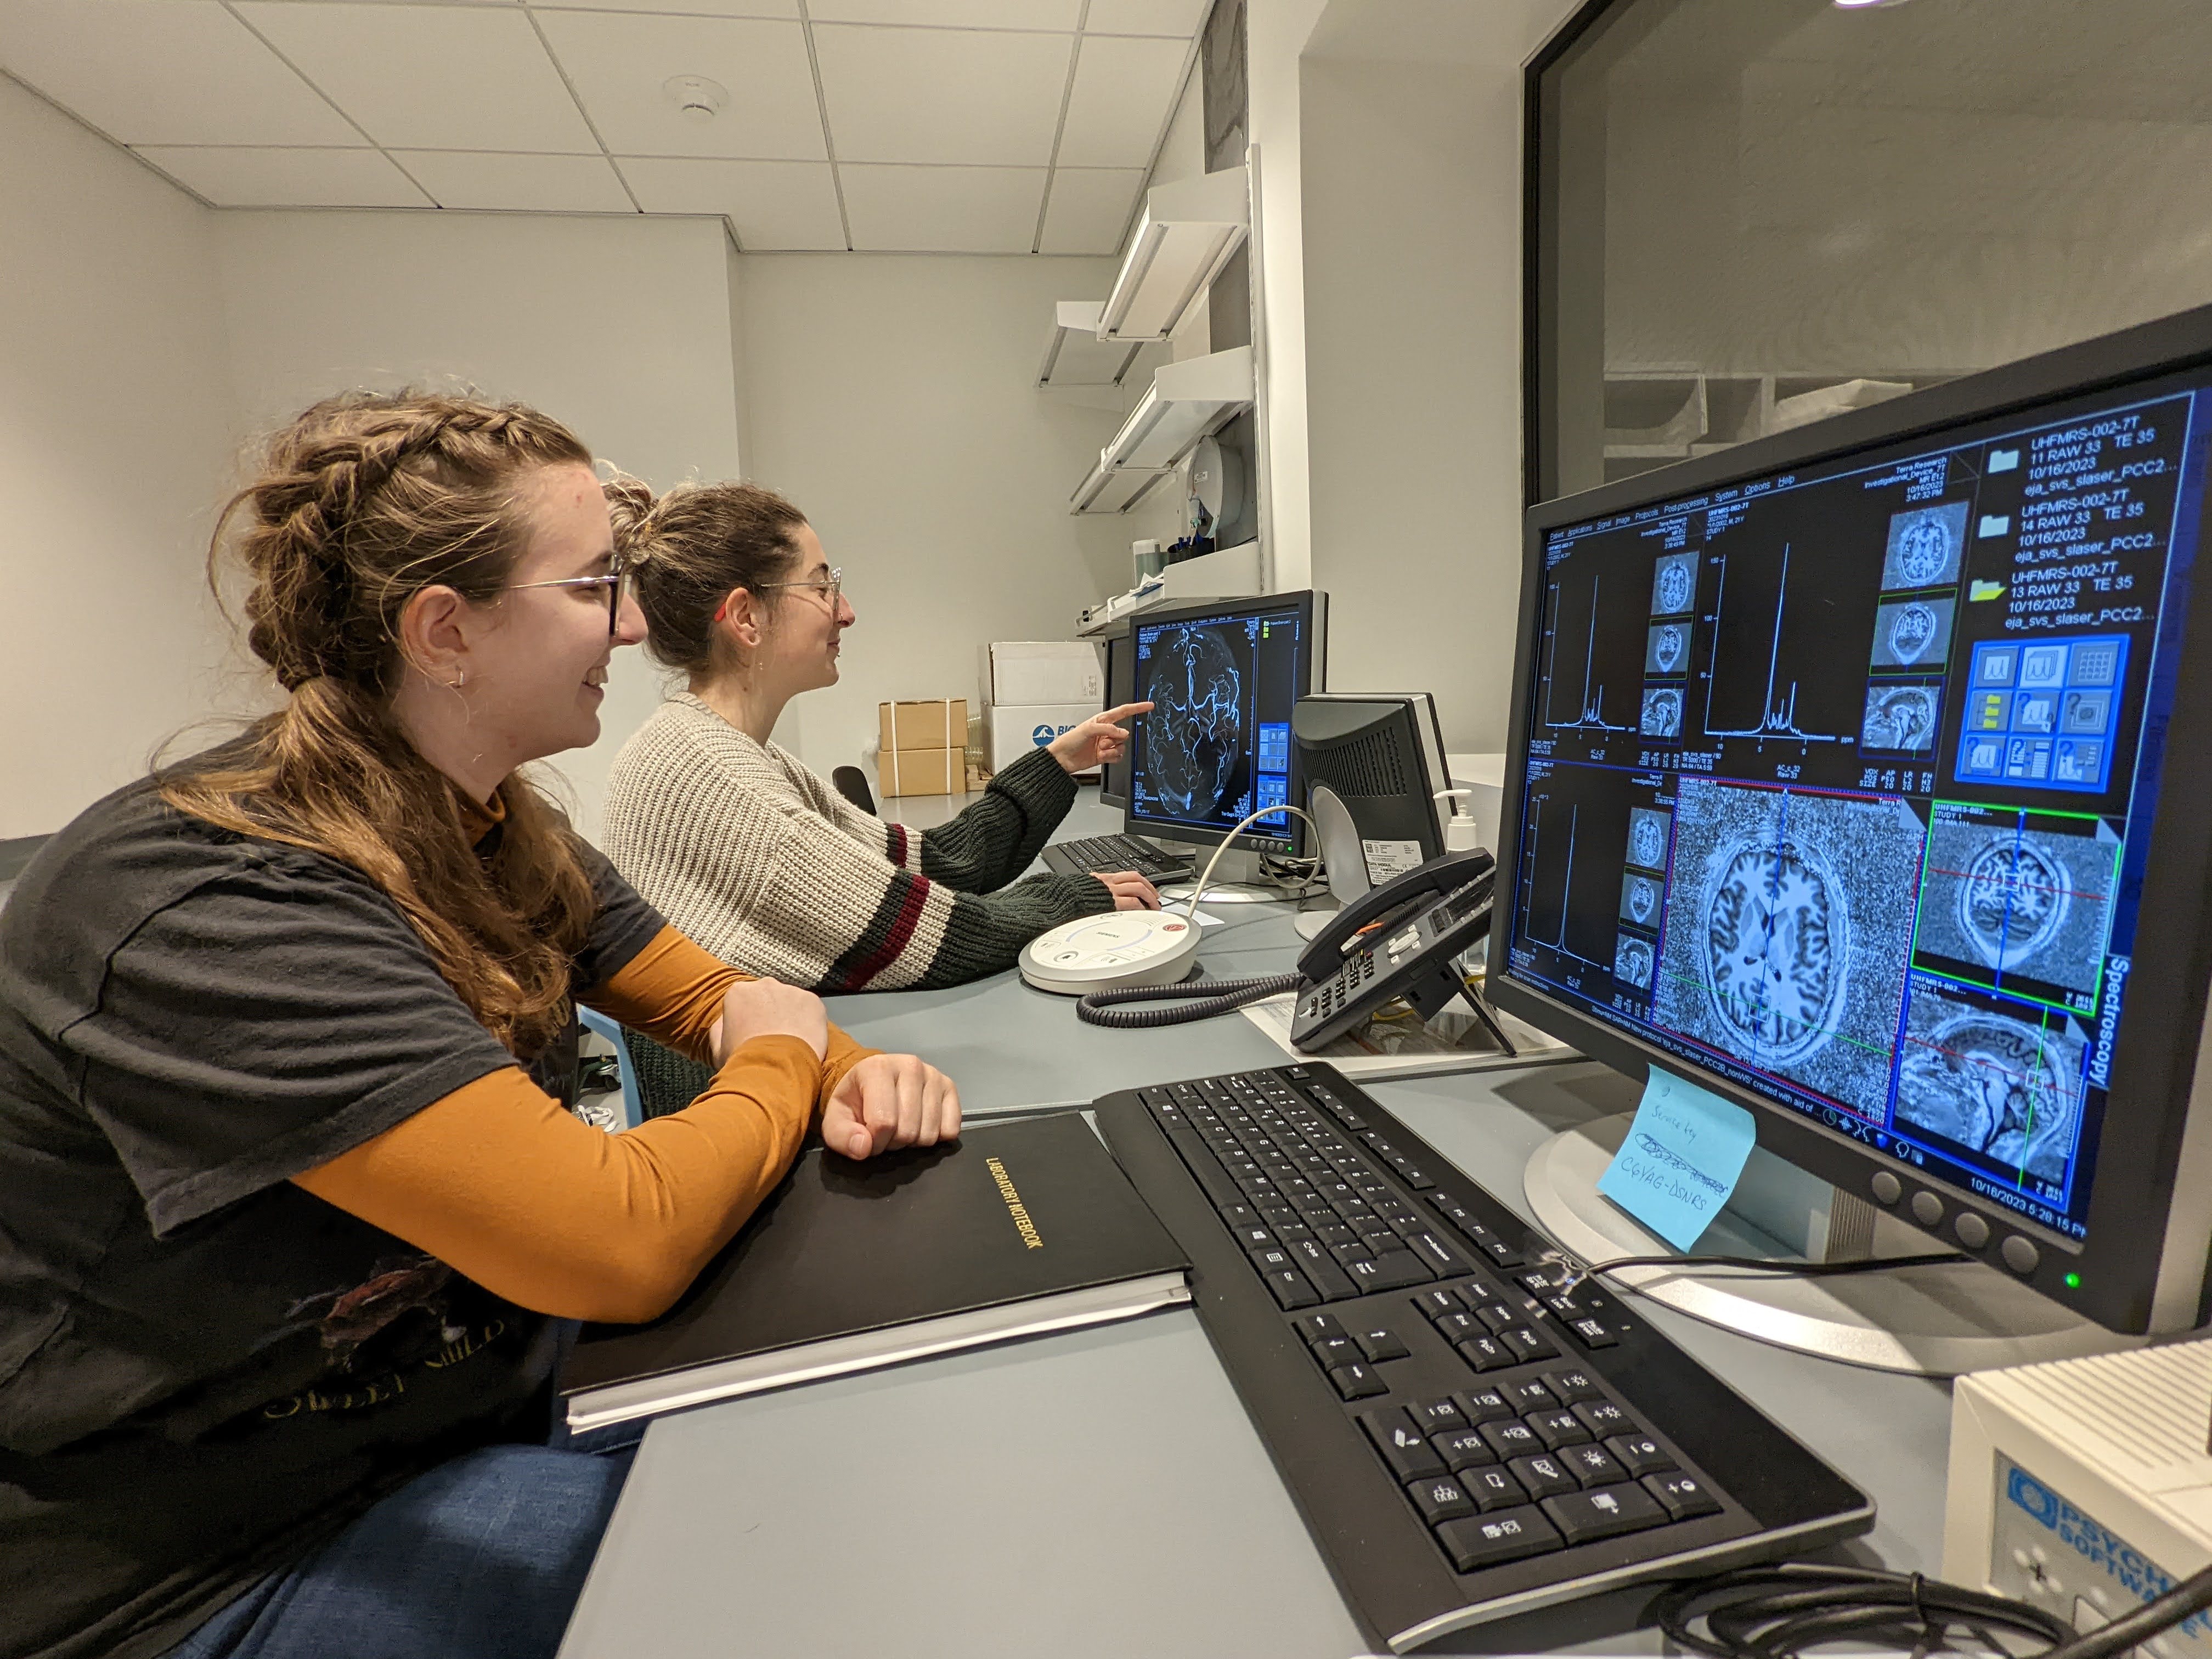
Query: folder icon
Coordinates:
[1997,524]
[2003,460]
[1982,590]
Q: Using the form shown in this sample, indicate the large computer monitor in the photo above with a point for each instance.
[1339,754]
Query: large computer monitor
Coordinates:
[1381,754]
[1121,688]
[1222,677]
[1857,774]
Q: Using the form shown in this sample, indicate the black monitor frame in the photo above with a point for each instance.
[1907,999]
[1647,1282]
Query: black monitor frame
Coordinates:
[1312,606]
[1361,718]
[2143,1264]
[1121,651]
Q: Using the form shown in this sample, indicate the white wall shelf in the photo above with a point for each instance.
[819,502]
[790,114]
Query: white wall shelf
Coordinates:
[1189,230]
[1187,401]
[1076,354]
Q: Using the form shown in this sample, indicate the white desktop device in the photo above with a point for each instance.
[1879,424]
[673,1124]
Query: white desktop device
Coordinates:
[2084,1485]
[1121,948]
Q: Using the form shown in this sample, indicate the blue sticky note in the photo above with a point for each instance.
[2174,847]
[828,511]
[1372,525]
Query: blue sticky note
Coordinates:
[1682,1158]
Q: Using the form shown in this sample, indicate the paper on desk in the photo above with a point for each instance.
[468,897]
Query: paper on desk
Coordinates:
[1207,919]
[1455,1040]
[1683,1157]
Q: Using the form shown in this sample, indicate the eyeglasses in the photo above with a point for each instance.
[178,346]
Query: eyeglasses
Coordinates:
[831,586]
[615,581]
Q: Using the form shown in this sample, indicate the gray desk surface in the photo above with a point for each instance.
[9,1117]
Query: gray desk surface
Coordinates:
[1101,1493]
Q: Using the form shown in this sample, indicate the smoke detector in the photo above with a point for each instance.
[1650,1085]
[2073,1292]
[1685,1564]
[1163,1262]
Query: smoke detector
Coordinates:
[694,97]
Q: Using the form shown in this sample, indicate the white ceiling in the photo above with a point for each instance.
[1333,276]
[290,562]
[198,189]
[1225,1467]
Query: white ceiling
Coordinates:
[972,126]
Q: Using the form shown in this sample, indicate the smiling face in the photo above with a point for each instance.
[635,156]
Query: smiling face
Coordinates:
[799,646]
[536,668]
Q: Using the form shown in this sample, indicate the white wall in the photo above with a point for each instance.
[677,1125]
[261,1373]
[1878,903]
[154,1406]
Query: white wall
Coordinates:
[115,436]
[1411,200]
[622,327]
[893,398]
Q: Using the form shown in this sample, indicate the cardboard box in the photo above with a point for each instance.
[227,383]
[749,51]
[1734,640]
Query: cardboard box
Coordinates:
[921,771]
[941,723]
[1016,730]
[1024,673]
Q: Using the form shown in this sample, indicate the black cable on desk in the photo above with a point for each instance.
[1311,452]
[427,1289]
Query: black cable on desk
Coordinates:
[1753,1264]
[1205,999]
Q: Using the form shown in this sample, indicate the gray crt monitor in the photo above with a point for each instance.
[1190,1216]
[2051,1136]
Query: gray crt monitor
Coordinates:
[1222,676]
[1857,775]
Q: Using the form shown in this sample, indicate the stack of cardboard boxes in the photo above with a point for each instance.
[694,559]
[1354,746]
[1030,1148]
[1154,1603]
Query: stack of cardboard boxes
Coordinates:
[1037,689]
[924,749]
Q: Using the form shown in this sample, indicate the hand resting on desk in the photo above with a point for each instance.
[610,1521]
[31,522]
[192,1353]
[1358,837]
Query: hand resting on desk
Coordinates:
[890,1101]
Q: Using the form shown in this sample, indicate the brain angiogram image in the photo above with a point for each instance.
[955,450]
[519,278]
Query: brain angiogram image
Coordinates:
[1789,919]
[1194,736]
[1996,1084]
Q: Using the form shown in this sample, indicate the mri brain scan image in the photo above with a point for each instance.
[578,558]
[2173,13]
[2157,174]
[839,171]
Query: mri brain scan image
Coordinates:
[1900,718]
[1673,584]
[1994,1083]
[1924,546]
[1647,837]
[1662,713]
[1194,735]
[1789,931]
[1912,633]
[1639,900]
[2003,900]
[1669,652]
[1633,962]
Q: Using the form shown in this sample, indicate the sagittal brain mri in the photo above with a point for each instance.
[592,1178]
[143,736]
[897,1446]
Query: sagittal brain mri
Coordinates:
[1633,962]
[1900,718]
[1924,546]
[2003,900]
[1194,735]
[1662,713]
[1994,1084]
[1791,954]
[1639,900]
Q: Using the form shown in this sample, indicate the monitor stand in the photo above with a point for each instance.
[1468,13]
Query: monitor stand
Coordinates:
[1238,879]
[1935,1321]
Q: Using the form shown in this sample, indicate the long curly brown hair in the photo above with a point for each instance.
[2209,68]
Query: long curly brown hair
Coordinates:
[360,503]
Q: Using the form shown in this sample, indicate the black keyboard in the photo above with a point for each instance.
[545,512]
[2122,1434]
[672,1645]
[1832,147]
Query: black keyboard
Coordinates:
[1467,1435]
[1103,855]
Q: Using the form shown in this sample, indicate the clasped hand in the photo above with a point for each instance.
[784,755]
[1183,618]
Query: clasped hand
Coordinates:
[886,1102]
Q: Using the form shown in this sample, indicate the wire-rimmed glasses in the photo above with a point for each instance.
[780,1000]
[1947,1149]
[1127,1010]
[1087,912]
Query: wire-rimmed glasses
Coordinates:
[615,581]
[831,586]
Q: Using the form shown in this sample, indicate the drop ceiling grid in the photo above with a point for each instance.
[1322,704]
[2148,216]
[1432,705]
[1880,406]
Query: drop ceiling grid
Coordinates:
[892,126]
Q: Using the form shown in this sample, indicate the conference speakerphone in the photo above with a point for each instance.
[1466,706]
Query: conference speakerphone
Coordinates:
[1468,1432]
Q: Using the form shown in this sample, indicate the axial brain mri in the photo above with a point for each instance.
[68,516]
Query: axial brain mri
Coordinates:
[1194,734]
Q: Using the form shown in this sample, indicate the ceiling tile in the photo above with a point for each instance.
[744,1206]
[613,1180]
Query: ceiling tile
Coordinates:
[531,183]
[1124,89]
[1180,17]
[241,177]
[619,64]
[1089,209]
[441,77]
[942,94]
[783,9]
[951,14]
[942,210]
[775,206]
[163,71]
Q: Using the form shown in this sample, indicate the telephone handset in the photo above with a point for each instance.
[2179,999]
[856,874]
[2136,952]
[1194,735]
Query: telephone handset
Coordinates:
[1397,941]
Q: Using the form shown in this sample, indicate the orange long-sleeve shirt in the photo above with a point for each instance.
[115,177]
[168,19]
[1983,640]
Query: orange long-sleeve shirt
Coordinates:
[501,1184]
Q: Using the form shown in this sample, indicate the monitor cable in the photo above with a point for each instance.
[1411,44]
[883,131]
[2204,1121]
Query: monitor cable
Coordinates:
[1752,1264]
[1780,1611]
[1208,998]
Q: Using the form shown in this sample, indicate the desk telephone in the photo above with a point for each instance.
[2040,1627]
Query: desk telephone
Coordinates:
[1396,940]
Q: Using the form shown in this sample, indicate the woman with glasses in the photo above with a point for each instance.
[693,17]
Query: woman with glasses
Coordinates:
[750,852]
[292,1216]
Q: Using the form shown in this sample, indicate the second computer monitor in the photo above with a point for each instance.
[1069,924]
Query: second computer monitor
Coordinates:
[1120,679]
[1223,677]
[1382,754]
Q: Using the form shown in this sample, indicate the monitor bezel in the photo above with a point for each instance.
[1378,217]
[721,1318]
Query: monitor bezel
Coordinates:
[1108,795]
[1421,708]
[2143,1266]
[1313,622]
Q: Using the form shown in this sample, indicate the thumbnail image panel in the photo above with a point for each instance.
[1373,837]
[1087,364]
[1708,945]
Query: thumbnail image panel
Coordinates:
[2020,901]
[1640,900]
[1647,837]
[1924,546]
[1633,962]
[1902,716]
[1912,633]
[1789,923]
[1667,650]
[1662,711]
[1673,584]
[2001,1080]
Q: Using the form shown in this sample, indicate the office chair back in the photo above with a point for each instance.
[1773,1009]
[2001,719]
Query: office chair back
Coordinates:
[852,783]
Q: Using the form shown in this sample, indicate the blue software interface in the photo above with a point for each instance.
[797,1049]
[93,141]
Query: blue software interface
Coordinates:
[1216,744]
[1839,781]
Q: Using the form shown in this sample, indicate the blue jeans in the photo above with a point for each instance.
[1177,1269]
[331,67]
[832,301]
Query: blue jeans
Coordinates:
[482,1557]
